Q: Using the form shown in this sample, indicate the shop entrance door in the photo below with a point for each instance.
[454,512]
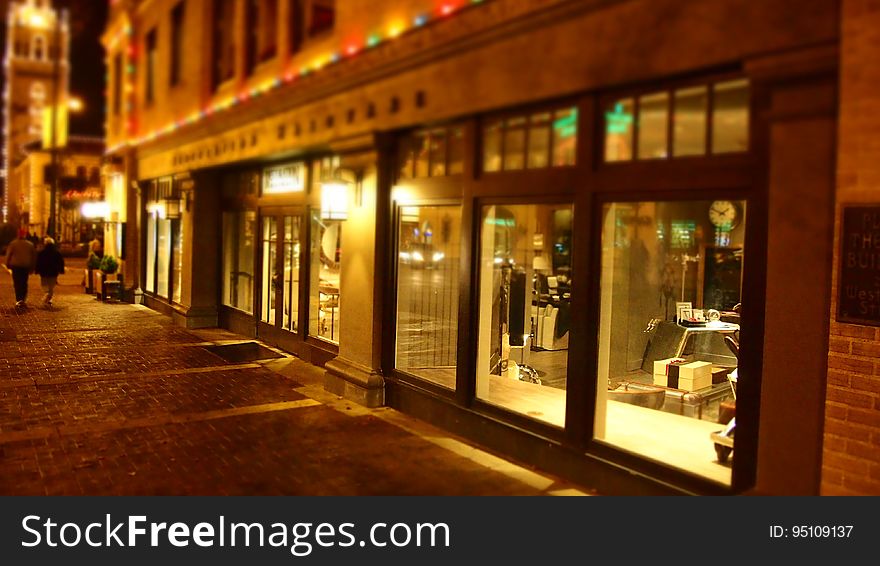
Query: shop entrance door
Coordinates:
[281,233]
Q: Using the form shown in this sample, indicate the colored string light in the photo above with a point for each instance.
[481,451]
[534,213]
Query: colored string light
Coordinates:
[350,50]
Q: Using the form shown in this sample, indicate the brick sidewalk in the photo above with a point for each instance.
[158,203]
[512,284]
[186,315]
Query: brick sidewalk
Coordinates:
[99,398]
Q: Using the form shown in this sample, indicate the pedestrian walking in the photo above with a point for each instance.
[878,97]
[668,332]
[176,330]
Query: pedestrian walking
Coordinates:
[20,259]
[50,264]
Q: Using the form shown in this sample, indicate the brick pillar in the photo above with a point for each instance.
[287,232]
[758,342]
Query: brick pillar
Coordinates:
[851,450]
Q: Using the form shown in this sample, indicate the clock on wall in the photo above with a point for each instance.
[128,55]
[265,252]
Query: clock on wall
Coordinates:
[724,214]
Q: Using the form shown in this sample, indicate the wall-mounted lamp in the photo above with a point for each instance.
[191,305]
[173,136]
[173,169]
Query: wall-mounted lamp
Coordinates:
[186,196]
[95,210]
[336,193]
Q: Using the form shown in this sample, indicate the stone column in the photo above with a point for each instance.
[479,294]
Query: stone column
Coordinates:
[356,372]
[200,222]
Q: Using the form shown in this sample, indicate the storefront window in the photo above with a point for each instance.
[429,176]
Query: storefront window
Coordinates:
[163,259]
[690,122]
[539,140]
[456,151]
[514,144]
[269,240]
[152,228]
[653,126]
[525,309]
[671,278]
[177,260]
[326,253]
[689,137]
[730,117]
[619,134]
[565,127]
[427,292]
[291,272]
[543,139]
[437,152]
[492,147]
[239,231]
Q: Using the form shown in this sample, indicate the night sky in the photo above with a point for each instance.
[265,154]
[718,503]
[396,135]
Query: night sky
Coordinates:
[87,70]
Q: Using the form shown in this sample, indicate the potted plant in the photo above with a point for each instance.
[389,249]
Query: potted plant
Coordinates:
[93,264]
[109,266]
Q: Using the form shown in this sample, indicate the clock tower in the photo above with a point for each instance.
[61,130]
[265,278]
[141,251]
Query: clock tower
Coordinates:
[36,74]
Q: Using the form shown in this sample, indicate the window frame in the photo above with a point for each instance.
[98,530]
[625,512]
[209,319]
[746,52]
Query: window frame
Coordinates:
[177,24]
[588,185]
[669,88]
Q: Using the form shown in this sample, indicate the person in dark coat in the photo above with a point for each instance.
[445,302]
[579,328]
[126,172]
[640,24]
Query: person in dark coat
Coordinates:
[50,264]
[20,262]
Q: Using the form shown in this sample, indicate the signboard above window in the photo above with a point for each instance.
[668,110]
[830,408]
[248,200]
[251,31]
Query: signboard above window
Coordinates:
[284,179]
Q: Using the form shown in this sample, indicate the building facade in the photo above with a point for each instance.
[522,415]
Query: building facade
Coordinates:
[508,217]
[36,77]
[79,184]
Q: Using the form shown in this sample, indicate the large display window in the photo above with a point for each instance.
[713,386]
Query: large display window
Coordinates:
[326,255]
[525,274]
[671,281]
[239,232]
[428,260]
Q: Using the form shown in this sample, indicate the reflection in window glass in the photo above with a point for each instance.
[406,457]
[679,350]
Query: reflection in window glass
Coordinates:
[539,140]
[619,131]
[163,259]
[438,153]
[151,252]
[514,144]
[456,151]
[657,257]
[422,155]
[730,117]
[654,126]
[492,147]
[427,292]
[239,230]
[177,260]
[291,273]
[269,240]
[326,252]
[690,121]
[525,309]
[565,125]
[406,152]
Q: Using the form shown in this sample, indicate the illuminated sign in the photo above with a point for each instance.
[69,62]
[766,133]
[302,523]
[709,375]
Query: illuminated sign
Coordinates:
[619,121]
[290,178]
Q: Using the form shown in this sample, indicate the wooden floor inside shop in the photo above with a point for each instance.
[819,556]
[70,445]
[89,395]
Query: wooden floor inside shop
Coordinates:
[675,440]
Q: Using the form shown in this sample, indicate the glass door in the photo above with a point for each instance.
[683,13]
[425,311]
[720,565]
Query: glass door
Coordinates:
[280,266]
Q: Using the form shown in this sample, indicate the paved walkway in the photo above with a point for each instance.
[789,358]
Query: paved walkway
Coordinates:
[102,398]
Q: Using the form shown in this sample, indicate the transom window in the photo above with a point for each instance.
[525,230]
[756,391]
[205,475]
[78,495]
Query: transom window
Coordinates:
[431,152]
[684,122]
[546,138]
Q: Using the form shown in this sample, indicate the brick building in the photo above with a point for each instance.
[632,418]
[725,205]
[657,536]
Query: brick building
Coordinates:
[507,216]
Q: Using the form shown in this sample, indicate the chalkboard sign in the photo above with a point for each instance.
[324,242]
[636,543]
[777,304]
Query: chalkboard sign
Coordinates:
[859,281]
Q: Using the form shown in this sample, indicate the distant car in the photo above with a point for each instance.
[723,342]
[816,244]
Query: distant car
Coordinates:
[423,256]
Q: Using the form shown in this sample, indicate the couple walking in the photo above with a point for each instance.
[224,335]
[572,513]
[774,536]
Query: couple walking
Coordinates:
[22,259]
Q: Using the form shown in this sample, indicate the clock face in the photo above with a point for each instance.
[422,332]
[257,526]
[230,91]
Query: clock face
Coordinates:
[723,213]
